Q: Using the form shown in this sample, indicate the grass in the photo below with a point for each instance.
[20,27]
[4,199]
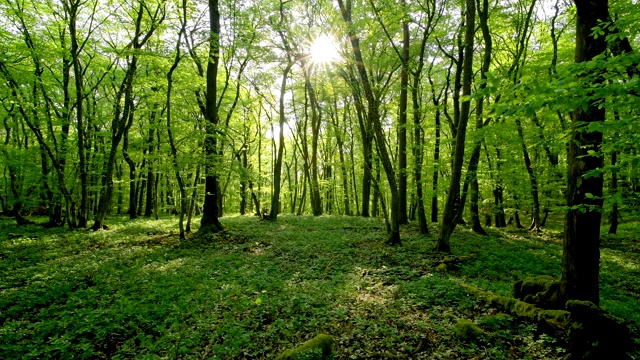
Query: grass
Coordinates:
[135,291]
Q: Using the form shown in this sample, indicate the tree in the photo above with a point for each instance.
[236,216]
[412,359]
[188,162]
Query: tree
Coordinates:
[209,221]
[581,246]
[449,218]
[373,117]
[123,113]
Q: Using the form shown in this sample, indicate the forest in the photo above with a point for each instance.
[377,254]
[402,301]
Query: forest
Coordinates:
[405,179]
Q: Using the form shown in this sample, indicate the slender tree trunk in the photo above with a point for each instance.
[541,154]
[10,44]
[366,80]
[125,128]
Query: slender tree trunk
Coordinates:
[613,227]
[122,116]
[418,152]
[72,8]
[316,202]
[483,15]
[192,203]
[151,176]
[343,166]
[373,116]
[436,169]
[581,250]
[174,150]
[402,123]
[133,211]
[367,146]
[449,220]
[535,220]
[277,169]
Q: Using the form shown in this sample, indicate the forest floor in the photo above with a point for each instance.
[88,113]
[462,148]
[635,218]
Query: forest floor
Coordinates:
[136,291]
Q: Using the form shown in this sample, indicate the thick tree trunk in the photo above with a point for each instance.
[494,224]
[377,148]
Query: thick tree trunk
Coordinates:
[209,221]
[581,250]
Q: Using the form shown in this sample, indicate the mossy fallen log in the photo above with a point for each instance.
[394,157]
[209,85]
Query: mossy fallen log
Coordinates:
[318,348]
[555,319]
[592,334]
[542,291]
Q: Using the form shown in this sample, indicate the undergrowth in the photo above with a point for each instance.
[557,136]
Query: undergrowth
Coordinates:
[258,288]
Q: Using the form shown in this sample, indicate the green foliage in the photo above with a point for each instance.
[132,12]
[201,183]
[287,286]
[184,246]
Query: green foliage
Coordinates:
[261,288]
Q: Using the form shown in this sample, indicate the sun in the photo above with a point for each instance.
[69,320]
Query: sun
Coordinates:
[323,50]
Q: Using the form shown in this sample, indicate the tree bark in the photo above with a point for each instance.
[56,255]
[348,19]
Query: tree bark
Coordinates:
[72,8]
[209,221]
[581,248]
[483,15]
[402,122]
[277,168]
[449,220]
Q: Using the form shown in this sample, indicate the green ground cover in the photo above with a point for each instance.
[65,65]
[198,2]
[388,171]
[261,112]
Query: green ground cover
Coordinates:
[135,291]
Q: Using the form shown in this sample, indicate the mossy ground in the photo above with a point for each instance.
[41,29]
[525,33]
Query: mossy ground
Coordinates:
[135,291]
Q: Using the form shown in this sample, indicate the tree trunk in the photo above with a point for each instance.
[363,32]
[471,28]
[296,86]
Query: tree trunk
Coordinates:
[151,176]
[581,250]
[277,169]
[174,150]
[373,117]
[483,15]
[402,123]
[316,202]
[436,169]
[209,221]
[535,215]
[449,220]
[613,227]
[72,8]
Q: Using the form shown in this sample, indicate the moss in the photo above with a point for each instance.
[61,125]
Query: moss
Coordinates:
[494,322]
[318,348]
[466,330]
[521,308]
[541,291]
